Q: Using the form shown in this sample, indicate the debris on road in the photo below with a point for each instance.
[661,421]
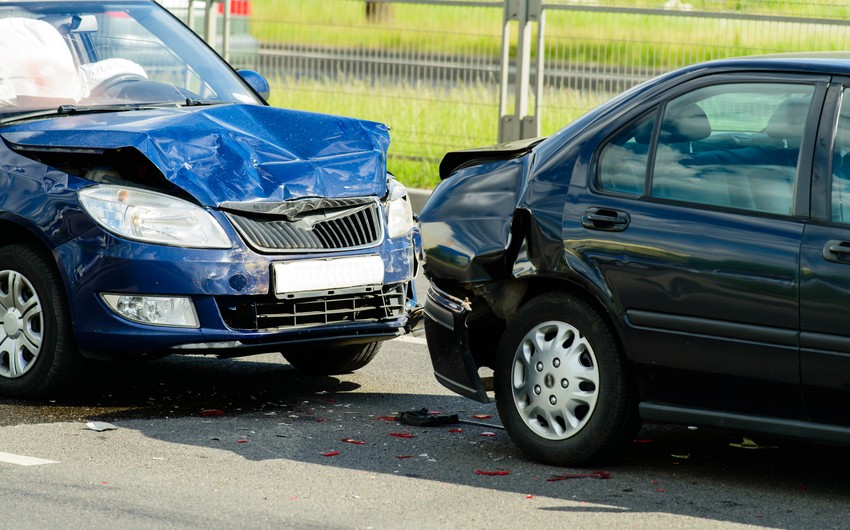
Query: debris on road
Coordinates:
[425,418]
[595,474]
[101,426]
[497,473]
[748,443]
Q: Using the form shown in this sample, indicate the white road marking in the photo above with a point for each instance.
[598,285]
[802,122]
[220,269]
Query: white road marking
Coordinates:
[20,460]
[412,340]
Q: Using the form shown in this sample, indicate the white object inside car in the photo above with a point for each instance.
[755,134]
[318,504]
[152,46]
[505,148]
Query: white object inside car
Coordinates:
[37,65]
[97,73]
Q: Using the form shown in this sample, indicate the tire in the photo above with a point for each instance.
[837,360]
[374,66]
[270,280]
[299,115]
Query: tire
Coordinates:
[334,361]
[562,387]
[38,356]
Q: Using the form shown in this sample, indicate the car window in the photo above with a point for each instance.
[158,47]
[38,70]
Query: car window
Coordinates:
[841,165]
[622,159]
[733,145]
[102,53]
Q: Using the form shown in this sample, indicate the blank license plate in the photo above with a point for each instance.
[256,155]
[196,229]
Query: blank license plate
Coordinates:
[327,274]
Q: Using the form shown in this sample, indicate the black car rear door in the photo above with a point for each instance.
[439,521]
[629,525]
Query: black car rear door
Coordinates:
[702,255]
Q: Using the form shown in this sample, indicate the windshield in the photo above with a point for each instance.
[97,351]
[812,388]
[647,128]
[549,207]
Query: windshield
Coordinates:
[95,54]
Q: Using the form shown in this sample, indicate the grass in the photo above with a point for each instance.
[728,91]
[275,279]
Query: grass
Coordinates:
[426,121]
[429,120]
[605,39]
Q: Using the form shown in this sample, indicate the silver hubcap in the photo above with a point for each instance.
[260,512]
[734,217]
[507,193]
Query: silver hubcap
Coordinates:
[555,380]
[20,336]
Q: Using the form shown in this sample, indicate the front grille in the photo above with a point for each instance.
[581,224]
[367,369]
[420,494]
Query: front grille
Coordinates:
[267,312]
[317,230]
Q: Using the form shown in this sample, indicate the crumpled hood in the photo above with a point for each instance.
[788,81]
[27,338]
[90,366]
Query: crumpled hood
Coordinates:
[232,153]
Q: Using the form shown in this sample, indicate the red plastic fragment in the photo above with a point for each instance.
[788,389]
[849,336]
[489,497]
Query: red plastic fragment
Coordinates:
[352,441]
[388,418]
[565,476]
[402,457]
[660,490]
[529,496]
[482,416]
[497,473]
[434,412]
[401,434]
[212,412]
[242,441]
[330,453]
[455,430]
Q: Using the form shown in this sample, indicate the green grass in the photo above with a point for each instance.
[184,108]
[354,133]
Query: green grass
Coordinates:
[426,121]
[605,39]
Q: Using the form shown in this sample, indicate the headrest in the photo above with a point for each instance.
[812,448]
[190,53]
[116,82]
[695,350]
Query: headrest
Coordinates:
[789,119]
[687,124]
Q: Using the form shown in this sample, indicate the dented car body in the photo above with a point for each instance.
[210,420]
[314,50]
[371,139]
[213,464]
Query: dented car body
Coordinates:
[677,254]
[153,204]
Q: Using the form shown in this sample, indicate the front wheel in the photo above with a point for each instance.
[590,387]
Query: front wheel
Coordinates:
[37,353]
[333,361]
[561,384]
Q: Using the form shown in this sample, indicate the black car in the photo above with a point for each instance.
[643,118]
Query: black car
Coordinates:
[680,254]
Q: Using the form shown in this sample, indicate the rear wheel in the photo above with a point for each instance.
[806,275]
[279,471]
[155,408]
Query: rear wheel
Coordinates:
[37,352]
[561,384]
[332,361]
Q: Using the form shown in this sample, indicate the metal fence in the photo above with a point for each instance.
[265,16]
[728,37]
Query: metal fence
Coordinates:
[448,74]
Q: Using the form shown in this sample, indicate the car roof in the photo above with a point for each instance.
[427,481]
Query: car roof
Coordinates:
[837,63]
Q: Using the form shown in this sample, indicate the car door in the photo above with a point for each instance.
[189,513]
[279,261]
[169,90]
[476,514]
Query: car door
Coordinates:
[825,270]
[694,218]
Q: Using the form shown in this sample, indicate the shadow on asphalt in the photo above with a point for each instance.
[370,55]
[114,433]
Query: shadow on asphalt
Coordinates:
[271,411]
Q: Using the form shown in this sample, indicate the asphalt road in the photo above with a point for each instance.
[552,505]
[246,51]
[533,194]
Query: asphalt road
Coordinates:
[281,454]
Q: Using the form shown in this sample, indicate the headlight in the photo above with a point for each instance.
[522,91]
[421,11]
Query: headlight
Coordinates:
[399,211]
[152,217]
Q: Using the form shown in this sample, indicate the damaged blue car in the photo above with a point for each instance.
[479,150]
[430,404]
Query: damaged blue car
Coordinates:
[152,203]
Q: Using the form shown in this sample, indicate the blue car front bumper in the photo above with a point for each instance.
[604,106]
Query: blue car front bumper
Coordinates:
[232,293]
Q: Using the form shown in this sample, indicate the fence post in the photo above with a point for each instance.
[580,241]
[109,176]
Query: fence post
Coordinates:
[520,124]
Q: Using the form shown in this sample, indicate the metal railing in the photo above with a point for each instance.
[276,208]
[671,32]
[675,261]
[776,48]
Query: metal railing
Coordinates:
[449,74]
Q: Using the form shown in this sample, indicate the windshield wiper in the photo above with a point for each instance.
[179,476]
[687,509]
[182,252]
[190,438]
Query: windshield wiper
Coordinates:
[202,102]
[68,110]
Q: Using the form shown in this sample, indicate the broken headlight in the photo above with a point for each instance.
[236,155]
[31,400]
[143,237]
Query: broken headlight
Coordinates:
[399,212]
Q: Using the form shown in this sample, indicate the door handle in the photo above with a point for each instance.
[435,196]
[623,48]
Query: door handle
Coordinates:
[837,251]
[605,219]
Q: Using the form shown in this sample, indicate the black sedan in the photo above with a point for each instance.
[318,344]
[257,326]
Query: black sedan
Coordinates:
[680,254]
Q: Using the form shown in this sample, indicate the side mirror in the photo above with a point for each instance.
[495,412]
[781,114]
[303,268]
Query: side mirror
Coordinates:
[256,81]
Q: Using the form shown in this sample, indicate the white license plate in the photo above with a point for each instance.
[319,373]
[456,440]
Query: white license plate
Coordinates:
[327,274]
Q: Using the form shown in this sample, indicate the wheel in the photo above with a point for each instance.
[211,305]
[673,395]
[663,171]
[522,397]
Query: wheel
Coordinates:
[104,87]
[37,352]
[561,384]
[333,361]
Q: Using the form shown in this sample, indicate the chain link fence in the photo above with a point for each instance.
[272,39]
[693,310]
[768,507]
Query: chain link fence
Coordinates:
[447,74]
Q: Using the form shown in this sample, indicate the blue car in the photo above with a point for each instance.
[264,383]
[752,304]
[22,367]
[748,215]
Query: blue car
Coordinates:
[152,203]
[680,254]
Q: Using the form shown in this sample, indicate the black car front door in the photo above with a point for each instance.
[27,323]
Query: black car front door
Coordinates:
[825,271]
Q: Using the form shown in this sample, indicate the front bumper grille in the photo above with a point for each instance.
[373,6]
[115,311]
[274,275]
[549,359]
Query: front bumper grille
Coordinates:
[269,313]
[327,228]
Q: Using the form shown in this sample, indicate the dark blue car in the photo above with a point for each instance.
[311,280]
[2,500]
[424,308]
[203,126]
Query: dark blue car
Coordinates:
[680,254]
[151,203]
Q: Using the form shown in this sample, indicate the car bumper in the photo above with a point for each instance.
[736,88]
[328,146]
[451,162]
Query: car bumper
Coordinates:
[448,345]
[232,294]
